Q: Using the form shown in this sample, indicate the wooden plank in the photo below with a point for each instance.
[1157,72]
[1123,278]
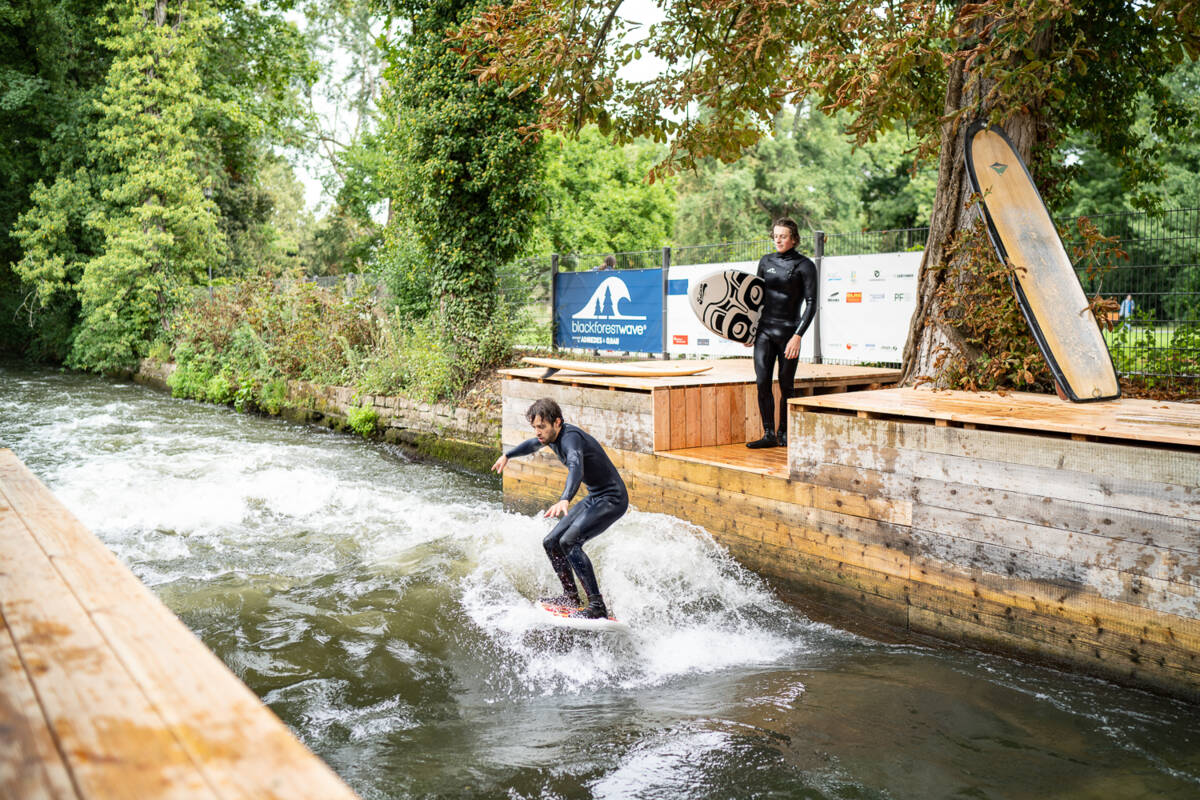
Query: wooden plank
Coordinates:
[723,371]
[31,767]
[579,397]
[1121,526]
[1103,459]
[724,414]
[692,400]
[1019,564]
[678,418]
[1129,493]
[737,415]
[1085,551]
[752,419]
[662,419]
[1129,419]
[1074,607]
[239,747]
[708,416]
[114,741]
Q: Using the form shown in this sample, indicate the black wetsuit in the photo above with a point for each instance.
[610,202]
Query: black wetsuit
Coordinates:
[607,500]
[791,281]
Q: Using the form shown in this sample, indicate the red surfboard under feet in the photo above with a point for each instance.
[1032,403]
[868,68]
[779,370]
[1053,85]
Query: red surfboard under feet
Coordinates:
[564,616]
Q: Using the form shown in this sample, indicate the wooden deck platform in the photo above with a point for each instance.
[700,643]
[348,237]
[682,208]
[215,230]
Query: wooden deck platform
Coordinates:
[1117,420]
[104,693]
[717,407]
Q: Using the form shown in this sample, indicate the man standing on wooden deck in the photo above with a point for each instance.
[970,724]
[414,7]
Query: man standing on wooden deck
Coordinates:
[789,303]
[606,502]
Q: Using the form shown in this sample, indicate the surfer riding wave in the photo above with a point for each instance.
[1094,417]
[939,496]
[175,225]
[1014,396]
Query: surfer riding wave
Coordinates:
[607,500]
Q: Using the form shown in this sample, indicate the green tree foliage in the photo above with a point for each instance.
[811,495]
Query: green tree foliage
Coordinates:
[598,199]
[156,230]
[152,159]
[807,169]
[51,65]
[463,180]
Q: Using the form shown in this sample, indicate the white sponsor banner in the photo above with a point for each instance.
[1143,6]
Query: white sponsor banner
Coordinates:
[685,334]
[866,304]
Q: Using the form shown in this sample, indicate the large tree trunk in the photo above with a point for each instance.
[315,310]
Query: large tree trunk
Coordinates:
[932,336]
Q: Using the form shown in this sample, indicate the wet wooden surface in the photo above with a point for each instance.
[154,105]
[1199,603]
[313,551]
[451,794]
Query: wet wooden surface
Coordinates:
[104,693]
[1131,420]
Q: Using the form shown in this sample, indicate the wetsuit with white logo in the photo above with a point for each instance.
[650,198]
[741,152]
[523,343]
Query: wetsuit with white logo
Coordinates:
[789,303]
[607,500]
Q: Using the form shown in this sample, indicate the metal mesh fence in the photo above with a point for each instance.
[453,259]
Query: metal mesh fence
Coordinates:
[1157,284]
[723,253]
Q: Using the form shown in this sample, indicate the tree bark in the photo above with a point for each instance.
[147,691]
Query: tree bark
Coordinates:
[931,336]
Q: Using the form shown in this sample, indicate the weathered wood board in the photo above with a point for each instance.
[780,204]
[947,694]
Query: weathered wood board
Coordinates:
[1048,290]
[129,703]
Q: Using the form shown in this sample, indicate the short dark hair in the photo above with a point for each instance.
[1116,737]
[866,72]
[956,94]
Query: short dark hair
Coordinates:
[545,408]
[790,224]
[610,261]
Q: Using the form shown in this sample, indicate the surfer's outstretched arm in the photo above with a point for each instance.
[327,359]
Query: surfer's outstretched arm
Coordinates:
[527,447]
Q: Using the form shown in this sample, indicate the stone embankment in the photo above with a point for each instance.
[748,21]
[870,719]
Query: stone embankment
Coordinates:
[466,437]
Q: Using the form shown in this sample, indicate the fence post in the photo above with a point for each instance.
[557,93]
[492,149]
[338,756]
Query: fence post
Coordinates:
[554,302]
[818,256]
[666,265]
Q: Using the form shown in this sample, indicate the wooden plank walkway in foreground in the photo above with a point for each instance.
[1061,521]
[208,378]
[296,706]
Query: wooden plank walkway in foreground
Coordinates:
[104,693]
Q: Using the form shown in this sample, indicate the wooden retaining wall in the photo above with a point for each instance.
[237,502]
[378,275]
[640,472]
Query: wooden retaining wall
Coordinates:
[1082,552]
[104,693]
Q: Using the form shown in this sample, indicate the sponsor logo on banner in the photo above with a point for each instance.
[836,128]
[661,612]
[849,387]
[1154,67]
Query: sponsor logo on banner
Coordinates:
[700,342]
[853,297]
[833,276]
[679,338]
[906,274]
[833,297]
[605,302]
[900,297]
[602,312]
[854,275]
[877,275]
[876,297]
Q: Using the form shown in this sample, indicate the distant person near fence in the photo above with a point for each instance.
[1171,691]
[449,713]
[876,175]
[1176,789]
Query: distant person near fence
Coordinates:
[1126,310]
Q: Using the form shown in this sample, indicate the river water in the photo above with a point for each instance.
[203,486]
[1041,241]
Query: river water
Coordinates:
[382,608]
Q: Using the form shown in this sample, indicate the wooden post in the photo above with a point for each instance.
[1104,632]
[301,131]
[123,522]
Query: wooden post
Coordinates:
[818,256]
[554,302]
[666,265]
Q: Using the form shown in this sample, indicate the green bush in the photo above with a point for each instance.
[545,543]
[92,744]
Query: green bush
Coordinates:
[363,420]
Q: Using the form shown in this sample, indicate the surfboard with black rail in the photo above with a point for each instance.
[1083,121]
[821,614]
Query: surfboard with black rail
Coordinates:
[1048,290]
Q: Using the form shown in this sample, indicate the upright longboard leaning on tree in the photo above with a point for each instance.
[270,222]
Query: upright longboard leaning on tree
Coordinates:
[1044,280]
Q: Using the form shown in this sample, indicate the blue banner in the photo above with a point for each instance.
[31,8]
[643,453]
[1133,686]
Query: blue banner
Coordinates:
[610,310]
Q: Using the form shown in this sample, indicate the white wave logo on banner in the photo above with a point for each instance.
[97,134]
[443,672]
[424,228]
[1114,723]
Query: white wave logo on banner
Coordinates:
[605,301]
